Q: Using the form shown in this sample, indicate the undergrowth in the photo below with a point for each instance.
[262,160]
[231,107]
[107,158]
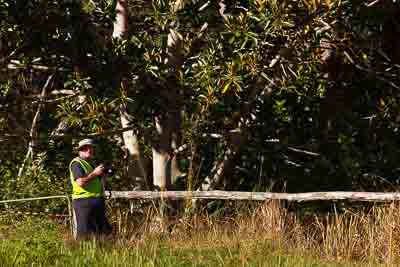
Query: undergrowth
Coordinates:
[267,235]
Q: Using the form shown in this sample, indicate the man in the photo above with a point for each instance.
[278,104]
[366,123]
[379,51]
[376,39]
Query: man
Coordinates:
[88,193]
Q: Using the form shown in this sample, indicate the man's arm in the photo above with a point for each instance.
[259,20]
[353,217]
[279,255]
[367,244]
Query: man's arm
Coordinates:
[83,179]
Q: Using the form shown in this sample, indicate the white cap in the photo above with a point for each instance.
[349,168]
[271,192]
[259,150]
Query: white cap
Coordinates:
[86,142]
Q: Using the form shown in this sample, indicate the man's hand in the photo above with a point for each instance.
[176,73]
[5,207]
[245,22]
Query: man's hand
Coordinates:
[99,170]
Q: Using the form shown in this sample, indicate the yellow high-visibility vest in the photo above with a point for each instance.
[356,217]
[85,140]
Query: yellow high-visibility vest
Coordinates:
[92,189]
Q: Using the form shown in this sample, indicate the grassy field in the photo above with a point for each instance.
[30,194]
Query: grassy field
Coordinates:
[269,236]
[35,243]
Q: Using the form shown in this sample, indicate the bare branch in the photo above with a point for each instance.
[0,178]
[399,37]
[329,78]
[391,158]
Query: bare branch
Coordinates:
[372,3]
[16,64]
[33,131]
[49,101]
[304,151]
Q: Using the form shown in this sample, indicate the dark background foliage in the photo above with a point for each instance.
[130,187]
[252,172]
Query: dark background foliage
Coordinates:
[305,93]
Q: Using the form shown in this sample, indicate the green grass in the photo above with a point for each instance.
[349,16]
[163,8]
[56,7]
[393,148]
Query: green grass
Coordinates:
[264,236]
[56,254]
[38,243]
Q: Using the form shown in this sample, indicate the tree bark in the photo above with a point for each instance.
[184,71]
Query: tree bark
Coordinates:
[121,19]
[220,168]
[165,163]
[167,120]
[162,153]
[136,168]
[334,107]
[237,138]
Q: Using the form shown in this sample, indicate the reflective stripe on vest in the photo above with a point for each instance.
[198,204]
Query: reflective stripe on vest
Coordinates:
[92,189]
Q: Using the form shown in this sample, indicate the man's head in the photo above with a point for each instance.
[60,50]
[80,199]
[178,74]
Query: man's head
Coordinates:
[86,148]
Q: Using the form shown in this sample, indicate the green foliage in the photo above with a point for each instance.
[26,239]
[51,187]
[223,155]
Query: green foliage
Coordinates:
[320,76]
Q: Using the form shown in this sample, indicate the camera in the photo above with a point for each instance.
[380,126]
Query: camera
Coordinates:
[108,171]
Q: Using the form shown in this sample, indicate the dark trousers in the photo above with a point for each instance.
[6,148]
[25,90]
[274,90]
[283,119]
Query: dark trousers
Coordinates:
[90,217]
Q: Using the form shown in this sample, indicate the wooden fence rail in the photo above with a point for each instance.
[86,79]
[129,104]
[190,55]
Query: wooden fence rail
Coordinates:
[260,196]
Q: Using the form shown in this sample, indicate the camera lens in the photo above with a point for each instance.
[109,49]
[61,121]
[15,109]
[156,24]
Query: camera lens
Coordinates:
[109,172]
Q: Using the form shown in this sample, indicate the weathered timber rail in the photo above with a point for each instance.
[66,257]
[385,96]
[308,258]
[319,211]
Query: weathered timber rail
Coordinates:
[260,196]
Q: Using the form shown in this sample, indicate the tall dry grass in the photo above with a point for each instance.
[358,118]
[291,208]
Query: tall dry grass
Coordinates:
[365,236]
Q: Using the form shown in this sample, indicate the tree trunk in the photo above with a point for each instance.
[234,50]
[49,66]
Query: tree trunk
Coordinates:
[221,167]
[162,153]
[167,121]
[236,140]
[121,19]
[167,126]
[333,109]
[136,169]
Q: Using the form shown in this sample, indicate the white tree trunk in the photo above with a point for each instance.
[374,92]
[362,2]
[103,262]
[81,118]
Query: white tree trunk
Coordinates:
[167,122]
[121,19]
[136,169]
[161,179]
[236,140]
[220,167]
[161,157]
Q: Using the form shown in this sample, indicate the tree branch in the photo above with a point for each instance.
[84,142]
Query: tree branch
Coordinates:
[33,131]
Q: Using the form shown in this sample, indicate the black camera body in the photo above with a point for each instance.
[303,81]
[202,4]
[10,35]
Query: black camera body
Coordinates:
[108,172]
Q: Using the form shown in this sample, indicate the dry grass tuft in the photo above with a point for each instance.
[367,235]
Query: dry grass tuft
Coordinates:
[371,236]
